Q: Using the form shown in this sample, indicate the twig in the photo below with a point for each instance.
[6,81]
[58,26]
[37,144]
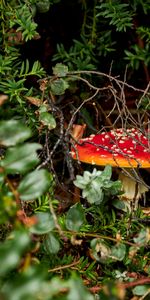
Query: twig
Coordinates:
[131,284]
[95,235]
[76,111]
[146,293]
[56,222]
[64,267]
[107,76]
[126,285]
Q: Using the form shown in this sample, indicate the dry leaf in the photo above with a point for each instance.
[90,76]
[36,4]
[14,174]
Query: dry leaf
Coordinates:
[3,98]
[146,210]
[34,101]
[76,242]
[15,37]
[132,252]
[77,131]
[118,237]
[43,84]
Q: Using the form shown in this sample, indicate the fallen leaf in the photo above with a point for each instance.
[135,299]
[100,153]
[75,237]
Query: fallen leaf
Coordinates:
[3,98]
[77,131]
[34,101]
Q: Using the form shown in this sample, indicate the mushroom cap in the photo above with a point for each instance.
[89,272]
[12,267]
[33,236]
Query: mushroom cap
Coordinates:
[127,148]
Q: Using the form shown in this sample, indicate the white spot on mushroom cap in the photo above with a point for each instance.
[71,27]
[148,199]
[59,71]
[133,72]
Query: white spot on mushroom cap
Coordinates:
[139,133]
[119,135]
[72,153]
[114,146]
[92,135]
[121,142]
[85,139]
[112,132]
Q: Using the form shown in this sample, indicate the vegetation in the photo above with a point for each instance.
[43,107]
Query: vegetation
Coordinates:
[64,231]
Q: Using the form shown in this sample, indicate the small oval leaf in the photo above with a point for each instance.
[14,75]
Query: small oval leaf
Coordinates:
[12,249]
[51,244]
[16,132]
[48,120]
[45,223]
[75,217]
[21,158]
[34,185]
[60,70]
[59,86]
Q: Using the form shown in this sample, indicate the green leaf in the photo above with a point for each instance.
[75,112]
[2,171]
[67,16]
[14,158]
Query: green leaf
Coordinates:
[75,217]
[45,223]
[81,181]
[34,185]
[91,184]
[12,250]
[51,244]
[13,132]
[119,204]
[77,290]
[118,252]
[93,193]
[28,284]
[43,6]
[107,172]
[2,178]
[59,86]
[60,70]
[141,290]
[21,158]
[97,185]
[143,237]
[48,120]
[115,187]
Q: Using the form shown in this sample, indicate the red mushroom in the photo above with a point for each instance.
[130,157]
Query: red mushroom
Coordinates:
[123,148]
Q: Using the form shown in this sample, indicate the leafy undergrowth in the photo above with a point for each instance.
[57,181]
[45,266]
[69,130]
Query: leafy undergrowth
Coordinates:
[65,232]
[92,251]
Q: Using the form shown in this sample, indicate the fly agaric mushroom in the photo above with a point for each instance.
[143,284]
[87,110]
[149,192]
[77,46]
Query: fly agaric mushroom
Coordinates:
[123,148]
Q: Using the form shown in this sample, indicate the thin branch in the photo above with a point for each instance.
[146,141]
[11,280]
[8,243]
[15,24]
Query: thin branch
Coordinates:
[64,267]
[109,77]
[61,233]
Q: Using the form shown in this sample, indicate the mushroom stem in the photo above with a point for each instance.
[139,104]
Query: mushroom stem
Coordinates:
[133,190]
